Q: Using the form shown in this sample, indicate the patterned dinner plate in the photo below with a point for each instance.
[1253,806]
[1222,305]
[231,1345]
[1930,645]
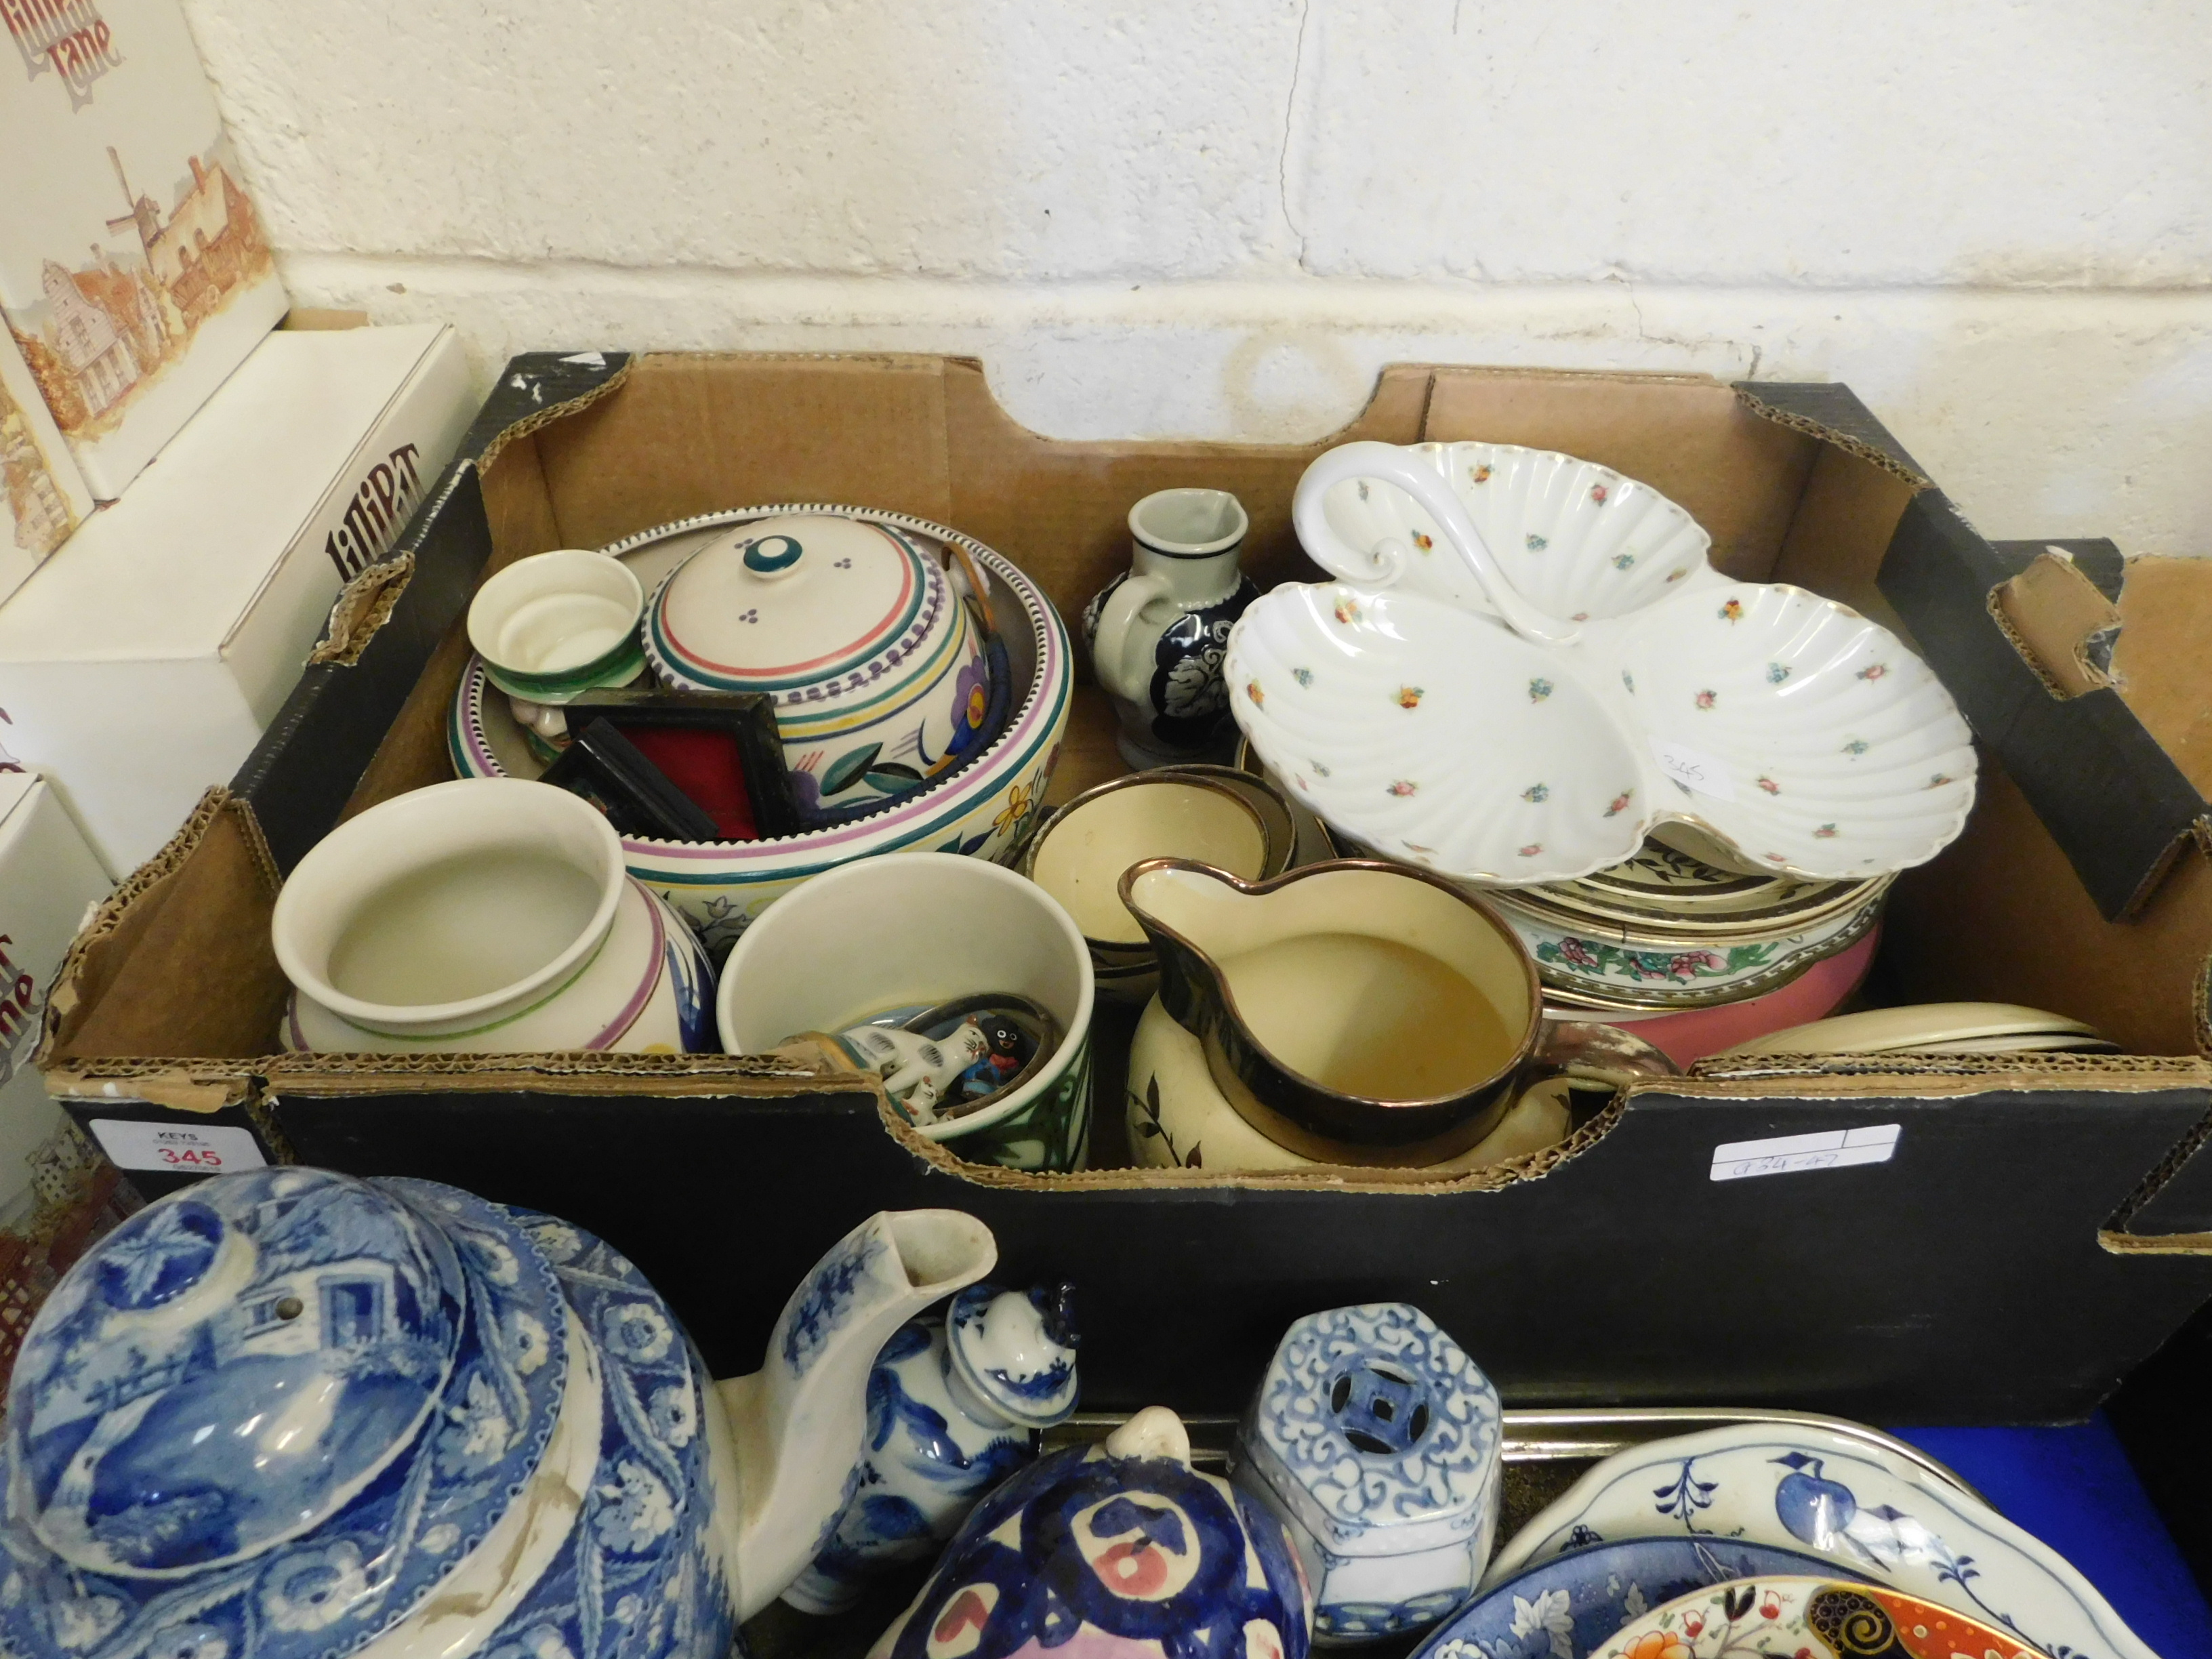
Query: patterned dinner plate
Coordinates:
[1572,1605]
[1808,1618]
[1875,1515]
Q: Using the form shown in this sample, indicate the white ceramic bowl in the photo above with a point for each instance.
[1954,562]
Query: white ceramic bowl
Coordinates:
[1818,744]
[556,625]
[910,929]
[986,811]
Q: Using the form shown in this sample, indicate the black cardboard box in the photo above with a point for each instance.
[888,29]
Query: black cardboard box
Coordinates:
[2044,1223]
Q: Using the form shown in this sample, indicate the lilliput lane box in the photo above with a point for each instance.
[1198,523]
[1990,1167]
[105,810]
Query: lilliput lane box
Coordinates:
[133,272]
[43,497]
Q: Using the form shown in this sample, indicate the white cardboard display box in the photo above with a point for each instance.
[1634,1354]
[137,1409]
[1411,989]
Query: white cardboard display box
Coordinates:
[133,272]
[48,876]
[143,665]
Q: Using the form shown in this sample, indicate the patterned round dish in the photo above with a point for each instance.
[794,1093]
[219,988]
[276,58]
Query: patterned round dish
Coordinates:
[1810,1618]
[1796,734]
[986,810]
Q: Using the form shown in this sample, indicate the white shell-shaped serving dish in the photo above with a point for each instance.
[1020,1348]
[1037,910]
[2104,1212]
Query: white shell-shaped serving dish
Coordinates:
[1803,737]
[1576,539]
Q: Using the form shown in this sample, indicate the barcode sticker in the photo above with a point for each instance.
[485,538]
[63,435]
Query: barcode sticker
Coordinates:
[178,1148]
[1693,769]
[1830,1148]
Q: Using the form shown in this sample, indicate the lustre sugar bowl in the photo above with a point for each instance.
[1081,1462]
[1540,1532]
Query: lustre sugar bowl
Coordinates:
[1120,1550]
[1377,1441]
[485,915]
[859,635]
[955,1406]
[1157,631]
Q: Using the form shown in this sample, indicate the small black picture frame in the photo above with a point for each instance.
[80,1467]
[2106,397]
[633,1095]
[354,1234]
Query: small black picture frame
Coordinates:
[747,718]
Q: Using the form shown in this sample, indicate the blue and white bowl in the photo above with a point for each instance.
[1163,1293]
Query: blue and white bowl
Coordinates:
[286,1414]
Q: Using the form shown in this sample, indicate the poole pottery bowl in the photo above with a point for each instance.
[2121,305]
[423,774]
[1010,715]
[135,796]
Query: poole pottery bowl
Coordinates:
[1569,1607]
[1810,1618]
[909,930]
[985,809]
[1120,1550]
[853,626]
[486,915]
[1376,1442]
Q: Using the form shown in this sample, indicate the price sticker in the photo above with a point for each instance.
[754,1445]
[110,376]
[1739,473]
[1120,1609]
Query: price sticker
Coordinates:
[1693,769]
[180,1149]
[1829,1148]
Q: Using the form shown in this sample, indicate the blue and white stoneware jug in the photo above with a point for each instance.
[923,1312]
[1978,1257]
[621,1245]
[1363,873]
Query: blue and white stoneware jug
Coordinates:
[955,1406]
[1377,1440]
[289,1414]
[1114,1550]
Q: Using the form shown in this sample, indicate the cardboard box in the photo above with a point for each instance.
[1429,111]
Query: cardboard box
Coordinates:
[2043,1223]
[43,496]
[49,876]
[144,665]
[133,272]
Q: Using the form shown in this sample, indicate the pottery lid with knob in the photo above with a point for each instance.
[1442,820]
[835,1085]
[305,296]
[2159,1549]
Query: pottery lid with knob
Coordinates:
[314,1390]
[1017,1349]
[801,600]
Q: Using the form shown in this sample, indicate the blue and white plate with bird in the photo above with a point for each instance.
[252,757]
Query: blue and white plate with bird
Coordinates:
[1874,1512]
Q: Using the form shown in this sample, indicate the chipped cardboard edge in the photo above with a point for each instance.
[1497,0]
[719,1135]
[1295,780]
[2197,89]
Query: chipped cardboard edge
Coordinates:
[551,412]
[363,606]
[1857,448]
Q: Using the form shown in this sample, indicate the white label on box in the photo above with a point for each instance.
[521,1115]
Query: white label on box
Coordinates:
[178,1148]
[1830,1149]
[1693,769]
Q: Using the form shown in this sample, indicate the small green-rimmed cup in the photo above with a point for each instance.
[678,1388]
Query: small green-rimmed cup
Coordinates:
[556,625]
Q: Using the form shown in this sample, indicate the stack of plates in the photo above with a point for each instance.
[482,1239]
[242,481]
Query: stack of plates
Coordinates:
[1936,1028]
[1682,925]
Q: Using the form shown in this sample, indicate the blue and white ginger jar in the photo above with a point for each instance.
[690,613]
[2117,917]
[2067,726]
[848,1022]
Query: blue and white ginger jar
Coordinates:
[955,1406]
[289,1414]
[1377,1441]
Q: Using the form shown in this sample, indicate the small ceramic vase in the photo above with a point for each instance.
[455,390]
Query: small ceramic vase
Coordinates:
[488,915]
[1158,631]
[861,635]
[1114,1550]
[953,1409]
[1377,1440]
[908,931]
[556,625]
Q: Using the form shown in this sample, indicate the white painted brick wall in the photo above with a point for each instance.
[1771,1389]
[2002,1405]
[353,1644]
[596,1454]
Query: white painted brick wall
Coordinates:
[1992,217]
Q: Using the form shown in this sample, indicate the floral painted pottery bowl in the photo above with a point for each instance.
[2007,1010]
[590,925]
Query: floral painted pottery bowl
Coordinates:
[1796,732]
[1120,1550]
[984,807]
[488,916]
[555,625]
[955,1404]
[1578,539]
[1652,969]
[1810,1618]
[1874,1512]
[1376,1442]
[853,626]
[1687,1035]
[283,1414]
[1360,1012]
[909,930]
[1571,1605]
[1177,1118]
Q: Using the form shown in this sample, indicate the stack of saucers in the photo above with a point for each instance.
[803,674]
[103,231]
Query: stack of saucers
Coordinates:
[1678,927]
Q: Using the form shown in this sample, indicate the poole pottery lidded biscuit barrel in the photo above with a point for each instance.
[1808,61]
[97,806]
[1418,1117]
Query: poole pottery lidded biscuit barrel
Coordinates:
[290,1414]
[859,635]
[1114,1550]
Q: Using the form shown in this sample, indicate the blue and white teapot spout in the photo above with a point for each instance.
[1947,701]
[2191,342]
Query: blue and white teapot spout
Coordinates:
[791,1436]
